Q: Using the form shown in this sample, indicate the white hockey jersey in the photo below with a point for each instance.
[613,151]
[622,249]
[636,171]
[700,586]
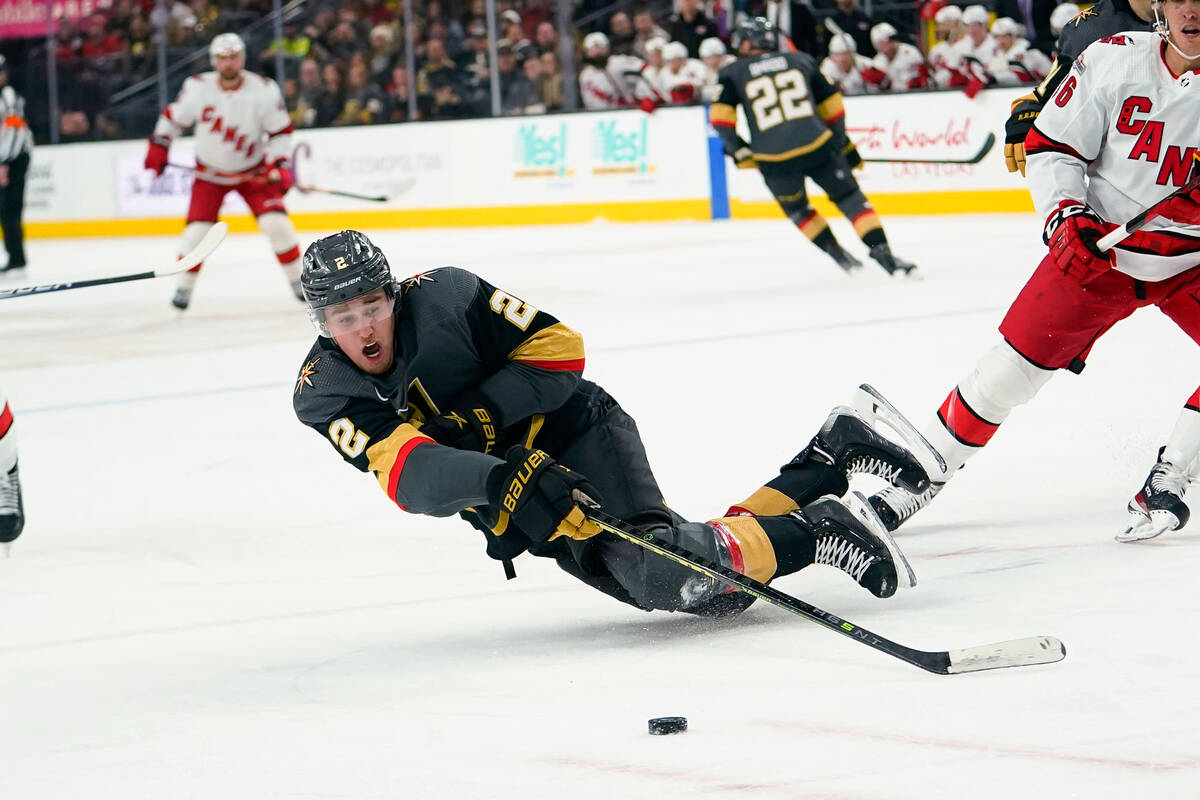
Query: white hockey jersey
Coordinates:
[848,81]
[944,59]
[1019,65]
[612,87]
[1119,134]
[973,59]
[236,129]
[686,85]
[905,70]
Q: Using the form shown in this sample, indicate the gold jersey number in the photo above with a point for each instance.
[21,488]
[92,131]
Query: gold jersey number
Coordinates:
[778,98]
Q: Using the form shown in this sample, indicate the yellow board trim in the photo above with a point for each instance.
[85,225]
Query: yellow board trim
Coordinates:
[1006,201]
[999,201]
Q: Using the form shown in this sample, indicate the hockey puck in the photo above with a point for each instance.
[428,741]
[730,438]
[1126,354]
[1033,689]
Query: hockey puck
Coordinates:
[661,726]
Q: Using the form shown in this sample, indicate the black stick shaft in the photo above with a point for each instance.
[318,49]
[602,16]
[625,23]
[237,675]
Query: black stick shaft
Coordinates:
[975,159]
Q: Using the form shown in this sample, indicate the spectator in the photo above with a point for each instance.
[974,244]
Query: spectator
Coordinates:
[546,37]
[689,26]
[397,95]
[333,94]
[141,45]
[98,42]
[850,18]
[721,12]
[206,15]
[67,44]
[73,126]
[343,41]
[620,34]
[512,32]
[381,57]
[294,45]
[645,29]
[534,13]
[445,100]
[1015,63]
[363,104]
[793,17]
[551,85]
[476,59]
[898,66]
[517,92]
[436,60]
[452,35]
[308,95]
[532,69]
[378,12]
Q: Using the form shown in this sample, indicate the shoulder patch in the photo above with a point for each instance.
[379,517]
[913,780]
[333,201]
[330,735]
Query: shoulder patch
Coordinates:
[1079,66]
[306,374]
[419,278]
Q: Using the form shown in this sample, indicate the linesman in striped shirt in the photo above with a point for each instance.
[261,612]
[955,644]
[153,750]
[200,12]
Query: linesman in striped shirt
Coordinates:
[16,143]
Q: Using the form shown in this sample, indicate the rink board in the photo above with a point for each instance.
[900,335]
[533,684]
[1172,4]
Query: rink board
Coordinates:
[563,168]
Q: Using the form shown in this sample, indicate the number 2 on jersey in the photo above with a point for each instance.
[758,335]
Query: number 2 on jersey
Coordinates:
[778,98]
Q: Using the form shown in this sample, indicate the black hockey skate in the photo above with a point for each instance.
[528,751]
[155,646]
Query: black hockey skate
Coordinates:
[843,259]
[883,255]
[851,538]
[848,442]
[1158,507]
[182,298]
[895,505]
[12,509]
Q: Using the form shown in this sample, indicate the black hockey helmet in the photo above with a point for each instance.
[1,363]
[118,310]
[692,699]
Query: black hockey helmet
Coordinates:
[338,269]
[759,32]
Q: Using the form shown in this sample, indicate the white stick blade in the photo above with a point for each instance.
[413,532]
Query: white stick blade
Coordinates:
[203,249]
[1013,653]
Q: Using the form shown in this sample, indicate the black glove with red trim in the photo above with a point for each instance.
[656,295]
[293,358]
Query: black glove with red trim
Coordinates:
[1072,232]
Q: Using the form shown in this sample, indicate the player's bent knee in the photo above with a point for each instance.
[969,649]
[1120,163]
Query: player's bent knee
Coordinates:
[1002,380]
[279,230]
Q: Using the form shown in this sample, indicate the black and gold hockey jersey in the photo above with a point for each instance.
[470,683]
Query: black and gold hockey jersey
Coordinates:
[1105,18]
[791,109]
[454,333]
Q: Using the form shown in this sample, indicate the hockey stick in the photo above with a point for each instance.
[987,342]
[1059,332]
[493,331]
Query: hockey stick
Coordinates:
[1110,240]
[374,198]
[975,159]
[1014,653]
[197,254]
[251,176]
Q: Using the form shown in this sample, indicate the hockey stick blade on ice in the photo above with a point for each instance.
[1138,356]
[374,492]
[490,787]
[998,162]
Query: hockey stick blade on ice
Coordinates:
[1015,653]
[986,148]
[201,251]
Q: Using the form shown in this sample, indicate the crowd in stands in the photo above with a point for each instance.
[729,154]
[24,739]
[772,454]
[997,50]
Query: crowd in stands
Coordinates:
[345,61]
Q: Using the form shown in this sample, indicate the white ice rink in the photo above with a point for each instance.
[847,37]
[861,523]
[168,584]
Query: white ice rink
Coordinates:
[207,603]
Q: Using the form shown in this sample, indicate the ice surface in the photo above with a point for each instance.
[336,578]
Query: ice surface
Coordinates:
[207,603]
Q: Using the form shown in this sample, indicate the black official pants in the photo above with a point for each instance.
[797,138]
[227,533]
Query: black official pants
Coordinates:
[12,209]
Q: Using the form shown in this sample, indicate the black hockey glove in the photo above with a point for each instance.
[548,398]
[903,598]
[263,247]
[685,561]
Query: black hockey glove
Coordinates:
[851,153]
[542,497]
[470,425]
[1019,123]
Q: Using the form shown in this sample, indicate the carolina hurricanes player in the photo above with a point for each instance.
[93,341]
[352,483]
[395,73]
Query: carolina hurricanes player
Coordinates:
[843,67]
[898,66]
[1015,63]
[607,81]
[944,55]
[1117,137]
[975,50]
[681,77]
[243,142]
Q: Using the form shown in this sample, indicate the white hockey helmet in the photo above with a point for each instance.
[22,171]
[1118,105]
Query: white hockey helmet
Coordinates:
[1062,15]
[655,44]
[595,41]
[1007,26]
[712,46]
[882,32]
[976,15]
[947,15]
[225,44]
[674,50]
[842,43]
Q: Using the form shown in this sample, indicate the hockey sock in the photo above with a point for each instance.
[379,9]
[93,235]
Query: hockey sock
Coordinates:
[796,486]
[816,228]
[869,228]
[1184,442]
[8,437]
[290,261]
[766,547]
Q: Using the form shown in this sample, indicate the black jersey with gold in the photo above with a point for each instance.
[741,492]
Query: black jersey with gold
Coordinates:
[790,108]
[454,334]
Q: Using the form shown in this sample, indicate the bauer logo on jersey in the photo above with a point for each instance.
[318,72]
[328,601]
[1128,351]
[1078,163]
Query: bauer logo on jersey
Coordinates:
[306,374]
[540,151]
[620,146]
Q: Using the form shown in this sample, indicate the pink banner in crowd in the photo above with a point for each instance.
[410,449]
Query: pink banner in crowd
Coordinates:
[21,19]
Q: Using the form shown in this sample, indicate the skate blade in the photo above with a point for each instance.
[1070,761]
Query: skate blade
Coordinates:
[875,408]
[1157,523]
[858,504]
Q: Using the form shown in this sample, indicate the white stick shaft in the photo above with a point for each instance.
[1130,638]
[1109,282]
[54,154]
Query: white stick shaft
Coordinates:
[203,249]
[1111,240]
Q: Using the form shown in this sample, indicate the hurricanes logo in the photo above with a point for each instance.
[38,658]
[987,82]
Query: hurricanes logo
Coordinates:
[306,374]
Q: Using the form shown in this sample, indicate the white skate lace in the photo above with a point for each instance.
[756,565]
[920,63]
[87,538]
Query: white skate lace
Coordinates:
[872,465]
[1166,477]
[10,502]
[905,503]
[843,554]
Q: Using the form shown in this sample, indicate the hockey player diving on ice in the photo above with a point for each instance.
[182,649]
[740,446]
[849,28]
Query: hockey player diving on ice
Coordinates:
[461,398]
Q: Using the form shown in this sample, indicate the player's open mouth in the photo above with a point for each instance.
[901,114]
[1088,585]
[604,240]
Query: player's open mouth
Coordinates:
[372,350]
[1190,31]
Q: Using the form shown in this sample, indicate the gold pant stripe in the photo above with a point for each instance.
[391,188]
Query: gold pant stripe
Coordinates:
[758,556]
[813,228]
[798,151]
[768,502]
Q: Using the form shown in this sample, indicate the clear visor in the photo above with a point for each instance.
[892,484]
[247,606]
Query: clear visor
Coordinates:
[353,315]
